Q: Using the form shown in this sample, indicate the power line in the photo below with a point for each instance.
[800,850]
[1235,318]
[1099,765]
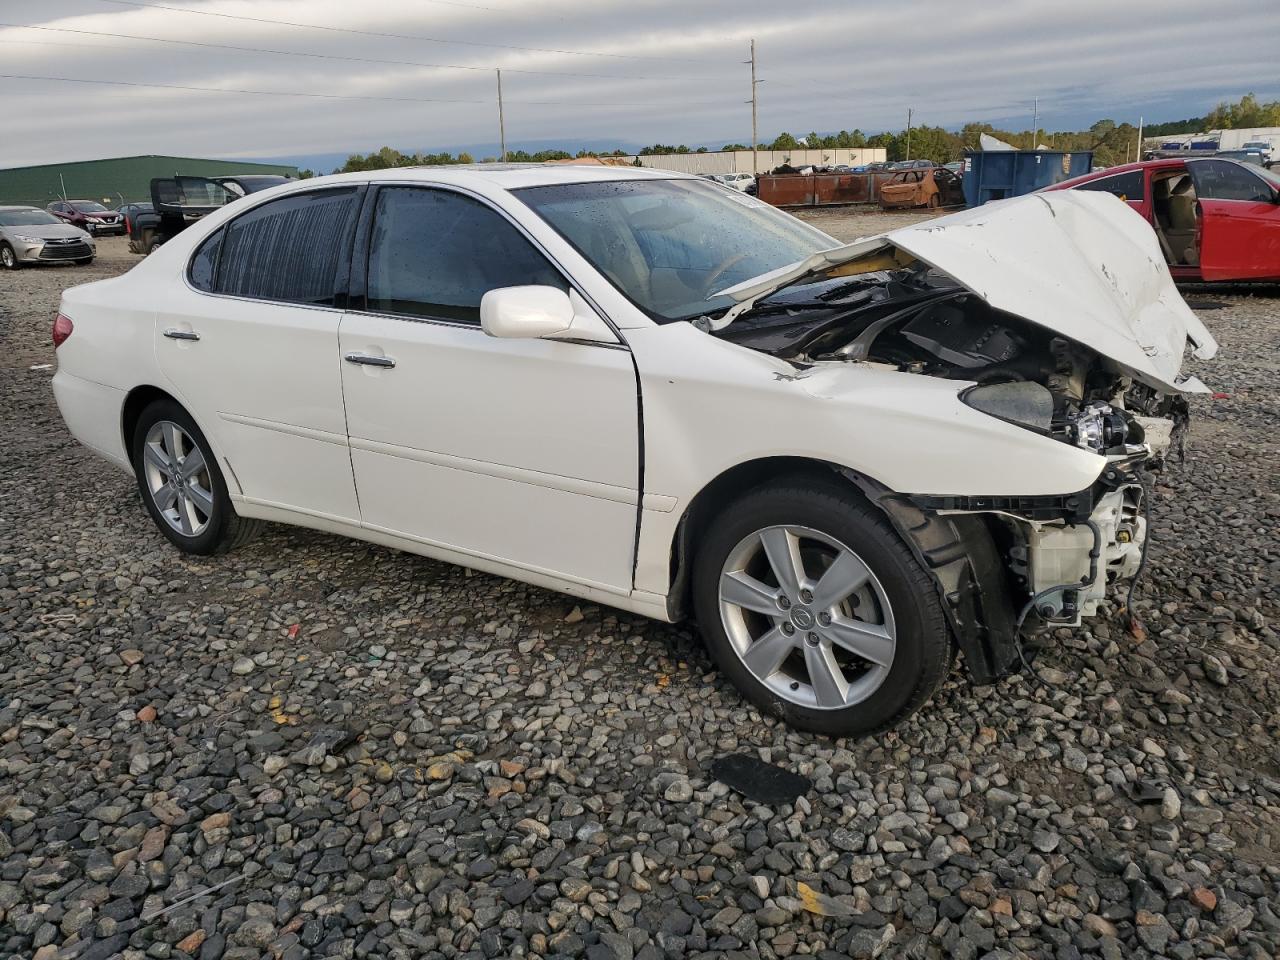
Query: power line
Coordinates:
[334,56]
[396,36]
[340,96]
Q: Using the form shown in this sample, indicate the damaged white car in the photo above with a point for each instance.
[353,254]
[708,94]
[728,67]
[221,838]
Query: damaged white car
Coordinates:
[844,462]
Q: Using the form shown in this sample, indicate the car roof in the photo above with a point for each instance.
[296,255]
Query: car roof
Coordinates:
[507,176]
[20,206]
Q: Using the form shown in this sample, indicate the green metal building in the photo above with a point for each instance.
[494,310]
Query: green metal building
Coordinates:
[114,181]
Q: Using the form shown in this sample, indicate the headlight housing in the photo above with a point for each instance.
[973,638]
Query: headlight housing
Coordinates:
[25,239]
[1019,402]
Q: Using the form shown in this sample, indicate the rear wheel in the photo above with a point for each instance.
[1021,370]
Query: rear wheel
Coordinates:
[935,201]
[818,612]
[181,484]
[8,258]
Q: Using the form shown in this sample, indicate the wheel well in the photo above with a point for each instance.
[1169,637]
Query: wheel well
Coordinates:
[723,490]
[139,399]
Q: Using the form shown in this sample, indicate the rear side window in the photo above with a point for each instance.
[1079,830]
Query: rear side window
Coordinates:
[205,262]
[287,250]
[1126,186]
[1223,180]
[435,254]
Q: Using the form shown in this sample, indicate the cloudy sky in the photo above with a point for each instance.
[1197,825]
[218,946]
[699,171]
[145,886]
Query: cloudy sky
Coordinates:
[418,74]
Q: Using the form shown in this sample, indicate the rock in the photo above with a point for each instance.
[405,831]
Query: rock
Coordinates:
[871,942]
[1202,898]
[680,791]
[1170,804]
[242,666]
[131,657]
[147,714]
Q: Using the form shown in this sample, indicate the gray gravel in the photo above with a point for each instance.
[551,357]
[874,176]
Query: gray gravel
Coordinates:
[361,753]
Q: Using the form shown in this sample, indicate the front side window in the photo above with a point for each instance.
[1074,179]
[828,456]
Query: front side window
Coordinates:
[288,249]
[435,254]
[1126,186]
[670,245]
[1223,180]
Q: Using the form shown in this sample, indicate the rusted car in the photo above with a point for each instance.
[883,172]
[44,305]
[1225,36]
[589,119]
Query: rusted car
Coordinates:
[928,187]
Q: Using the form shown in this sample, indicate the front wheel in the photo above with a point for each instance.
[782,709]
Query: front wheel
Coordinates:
[816,610]
[8,258]
[182,487]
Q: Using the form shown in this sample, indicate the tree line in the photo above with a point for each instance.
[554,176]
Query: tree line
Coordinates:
[1110,142]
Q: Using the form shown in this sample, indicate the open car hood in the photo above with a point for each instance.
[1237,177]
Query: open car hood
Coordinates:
[1079,263]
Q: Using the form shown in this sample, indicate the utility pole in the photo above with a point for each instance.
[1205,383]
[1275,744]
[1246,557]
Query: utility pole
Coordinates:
[755,143]
[908,156]
[63,183]
[502,129]
[1140,124]
[1035,123]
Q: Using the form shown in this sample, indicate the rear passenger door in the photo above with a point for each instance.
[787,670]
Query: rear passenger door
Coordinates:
[250,345]
[520,451]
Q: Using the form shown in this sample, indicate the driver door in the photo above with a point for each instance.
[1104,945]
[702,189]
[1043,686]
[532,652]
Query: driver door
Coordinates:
[1239,221]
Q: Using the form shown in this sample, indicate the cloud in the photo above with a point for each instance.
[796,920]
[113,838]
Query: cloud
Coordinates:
[669,71]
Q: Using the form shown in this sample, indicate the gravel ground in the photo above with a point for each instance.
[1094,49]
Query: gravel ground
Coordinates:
[318,748]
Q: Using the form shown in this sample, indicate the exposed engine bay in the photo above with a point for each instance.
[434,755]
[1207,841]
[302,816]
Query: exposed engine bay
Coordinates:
[1055,559]
[918,321]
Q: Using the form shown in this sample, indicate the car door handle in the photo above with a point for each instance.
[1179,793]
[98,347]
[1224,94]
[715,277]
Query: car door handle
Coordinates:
[369,360]
[173,333]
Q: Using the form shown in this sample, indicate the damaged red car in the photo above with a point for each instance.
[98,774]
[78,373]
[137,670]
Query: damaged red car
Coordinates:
[1216,219]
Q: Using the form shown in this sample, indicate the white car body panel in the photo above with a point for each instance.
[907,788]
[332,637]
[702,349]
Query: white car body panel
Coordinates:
[1080,263]
[531,465]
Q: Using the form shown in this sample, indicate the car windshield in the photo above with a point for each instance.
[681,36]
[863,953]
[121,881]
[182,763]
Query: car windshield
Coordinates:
[26,218]
[668,245]
[88,206]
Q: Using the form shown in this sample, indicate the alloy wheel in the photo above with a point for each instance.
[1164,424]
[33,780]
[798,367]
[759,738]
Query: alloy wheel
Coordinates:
[7,258]
[807,617]
[177,477]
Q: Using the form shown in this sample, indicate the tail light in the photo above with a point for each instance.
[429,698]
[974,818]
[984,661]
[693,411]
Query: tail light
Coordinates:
[62,328]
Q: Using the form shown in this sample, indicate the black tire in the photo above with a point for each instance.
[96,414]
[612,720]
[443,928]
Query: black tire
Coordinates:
[9,257]
[923,654]
[225,529]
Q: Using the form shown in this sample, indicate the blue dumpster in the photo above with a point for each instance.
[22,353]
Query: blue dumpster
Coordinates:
[996,174]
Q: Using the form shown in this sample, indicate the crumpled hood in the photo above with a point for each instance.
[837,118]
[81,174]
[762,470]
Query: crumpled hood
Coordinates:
[1079,263]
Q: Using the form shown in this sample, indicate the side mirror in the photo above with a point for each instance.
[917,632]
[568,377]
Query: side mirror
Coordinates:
[529,312]
[536,312]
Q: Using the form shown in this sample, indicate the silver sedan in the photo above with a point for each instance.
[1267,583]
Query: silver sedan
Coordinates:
[29,235]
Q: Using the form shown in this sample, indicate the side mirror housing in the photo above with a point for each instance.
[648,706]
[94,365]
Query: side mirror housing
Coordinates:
[540,312]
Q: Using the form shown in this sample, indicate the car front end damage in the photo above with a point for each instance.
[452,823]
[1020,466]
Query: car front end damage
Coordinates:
[1055,317]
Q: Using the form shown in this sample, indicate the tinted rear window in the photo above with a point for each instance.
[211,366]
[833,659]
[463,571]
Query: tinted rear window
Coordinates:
[288,249]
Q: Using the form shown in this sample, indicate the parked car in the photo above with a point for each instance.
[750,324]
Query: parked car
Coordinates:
[176,203]
[736,181]
[929,187]
[89,215]
[130,212]
[30,235]
[1215,219]
[633,387]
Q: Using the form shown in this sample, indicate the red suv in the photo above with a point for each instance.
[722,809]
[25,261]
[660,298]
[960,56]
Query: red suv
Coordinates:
[88,215]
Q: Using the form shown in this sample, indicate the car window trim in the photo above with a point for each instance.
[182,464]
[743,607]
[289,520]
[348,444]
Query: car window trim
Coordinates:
[342,276]
[358,294]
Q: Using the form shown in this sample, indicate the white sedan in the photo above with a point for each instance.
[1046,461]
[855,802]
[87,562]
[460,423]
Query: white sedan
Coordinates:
[638,388]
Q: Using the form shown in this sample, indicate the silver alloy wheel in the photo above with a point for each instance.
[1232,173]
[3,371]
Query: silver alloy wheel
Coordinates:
[807,617]
[7,257]
[178,478]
